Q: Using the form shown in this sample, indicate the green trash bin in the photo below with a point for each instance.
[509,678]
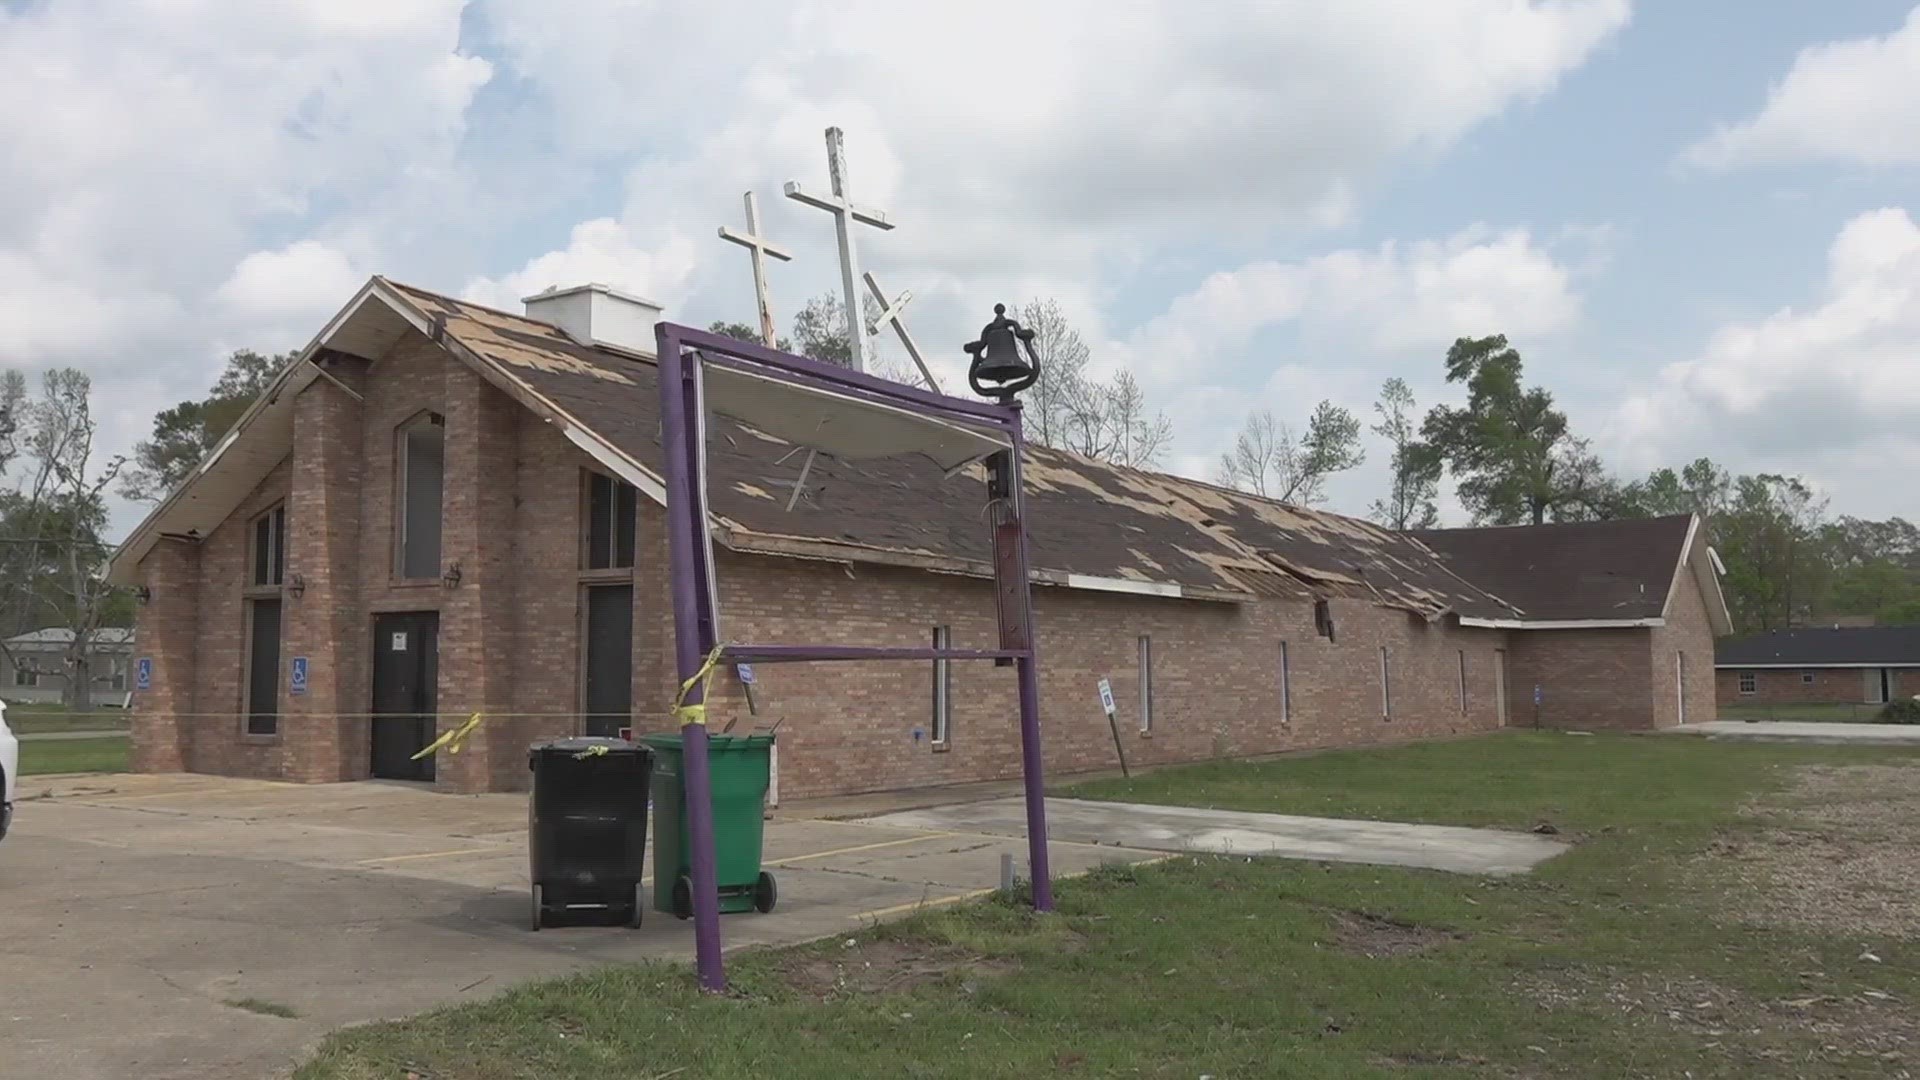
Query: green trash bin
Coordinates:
[739,767]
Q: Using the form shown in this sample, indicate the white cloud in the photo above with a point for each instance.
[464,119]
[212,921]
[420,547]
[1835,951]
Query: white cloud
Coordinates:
[1830,391]
[307,279]
[600,251]
[1397,296]
[1854,101]
[1024,149]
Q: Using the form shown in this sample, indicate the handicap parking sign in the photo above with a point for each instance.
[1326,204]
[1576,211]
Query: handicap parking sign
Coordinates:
[143,673]
[297,676]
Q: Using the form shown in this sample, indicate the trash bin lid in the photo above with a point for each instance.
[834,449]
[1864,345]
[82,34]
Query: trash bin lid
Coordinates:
[578,745]
[716,743]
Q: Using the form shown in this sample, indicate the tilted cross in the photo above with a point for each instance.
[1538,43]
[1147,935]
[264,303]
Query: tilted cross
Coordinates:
[890,313]
[840,204]
[757,248]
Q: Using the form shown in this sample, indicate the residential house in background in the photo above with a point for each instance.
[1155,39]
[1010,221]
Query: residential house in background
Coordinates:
[33,666]
[1820,664]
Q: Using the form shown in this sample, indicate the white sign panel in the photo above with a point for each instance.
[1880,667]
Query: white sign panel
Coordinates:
[399,641]
[1106,696]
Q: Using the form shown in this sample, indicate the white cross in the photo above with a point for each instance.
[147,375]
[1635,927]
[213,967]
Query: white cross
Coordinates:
[840,204]
[757,247]
[890,313]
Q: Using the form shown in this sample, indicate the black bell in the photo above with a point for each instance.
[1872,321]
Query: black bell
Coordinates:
[997,369]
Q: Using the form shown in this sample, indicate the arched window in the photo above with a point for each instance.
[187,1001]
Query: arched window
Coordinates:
[421,467]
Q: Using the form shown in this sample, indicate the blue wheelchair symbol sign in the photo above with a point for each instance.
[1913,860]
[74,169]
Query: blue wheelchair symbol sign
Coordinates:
[297,676]
[1537,694]
[143,673]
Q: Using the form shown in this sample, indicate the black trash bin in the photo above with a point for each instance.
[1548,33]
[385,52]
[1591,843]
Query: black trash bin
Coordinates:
[587,829]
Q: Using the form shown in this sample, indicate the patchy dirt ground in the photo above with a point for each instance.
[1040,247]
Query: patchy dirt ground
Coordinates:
[1873,1030]
[1374,936]
[1837,853]
[873,966]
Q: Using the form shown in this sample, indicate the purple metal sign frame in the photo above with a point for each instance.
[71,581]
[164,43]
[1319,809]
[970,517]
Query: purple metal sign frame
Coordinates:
[695,622]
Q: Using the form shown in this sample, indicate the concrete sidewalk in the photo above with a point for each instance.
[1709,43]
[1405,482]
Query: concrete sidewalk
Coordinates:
[138,908]
[1130,826]
[1805,731]
[61,736]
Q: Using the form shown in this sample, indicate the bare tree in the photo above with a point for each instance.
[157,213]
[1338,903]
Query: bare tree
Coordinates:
[1063,362]
[51,553]
[1410,501]
[1268,459]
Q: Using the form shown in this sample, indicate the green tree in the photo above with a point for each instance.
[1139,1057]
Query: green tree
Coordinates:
[1410,501]
[740,331]
[1904,613]
[187,432]
[1269,459]
[52,516]
[1510,451]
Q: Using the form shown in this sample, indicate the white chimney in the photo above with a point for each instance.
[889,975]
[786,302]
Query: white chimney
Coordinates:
[596,314]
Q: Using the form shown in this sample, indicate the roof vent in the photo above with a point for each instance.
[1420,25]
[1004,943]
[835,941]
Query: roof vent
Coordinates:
[596,314]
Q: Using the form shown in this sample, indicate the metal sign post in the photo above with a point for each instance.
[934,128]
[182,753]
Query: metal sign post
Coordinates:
[1113,725]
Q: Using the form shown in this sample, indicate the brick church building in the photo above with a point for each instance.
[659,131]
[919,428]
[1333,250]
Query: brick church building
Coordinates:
[441,509]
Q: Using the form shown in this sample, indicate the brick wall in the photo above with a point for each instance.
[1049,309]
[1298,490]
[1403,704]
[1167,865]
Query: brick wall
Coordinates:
[1589,679]
[1689,634]
[1216,676]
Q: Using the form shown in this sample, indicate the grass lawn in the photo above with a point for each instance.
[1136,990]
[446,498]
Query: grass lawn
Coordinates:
[26,718]
[1841,712]
[73,755]
[1620,959]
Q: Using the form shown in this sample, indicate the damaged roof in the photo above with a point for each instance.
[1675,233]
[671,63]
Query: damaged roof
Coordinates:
[1095,524]
[1578,571]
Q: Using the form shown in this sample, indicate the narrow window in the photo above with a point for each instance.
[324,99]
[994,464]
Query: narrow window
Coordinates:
[1323,619]
[269,544]
[1749,682]
[942,688]
[1146,683]
[1286,687]
[1806,678]
[1386,687]
[25,677]
[1463,682]
[423,459]
[611,509]
[263,666]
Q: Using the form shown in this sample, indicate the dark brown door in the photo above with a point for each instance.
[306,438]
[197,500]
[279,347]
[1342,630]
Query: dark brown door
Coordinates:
[405,671]
[609,660]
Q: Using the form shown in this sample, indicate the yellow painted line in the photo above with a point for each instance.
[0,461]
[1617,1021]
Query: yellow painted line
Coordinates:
[863,847]
[921,905]
[434,854]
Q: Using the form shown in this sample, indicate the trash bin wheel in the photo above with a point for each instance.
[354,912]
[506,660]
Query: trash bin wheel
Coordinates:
[765,893]
[639,902]
[683,898]
[538,907]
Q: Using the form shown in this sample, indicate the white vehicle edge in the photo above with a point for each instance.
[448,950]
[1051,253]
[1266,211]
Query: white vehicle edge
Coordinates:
[9,771]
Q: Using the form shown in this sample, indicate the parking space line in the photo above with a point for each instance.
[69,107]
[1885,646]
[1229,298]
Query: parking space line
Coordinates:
[917,905]
[433,854]
[861,847]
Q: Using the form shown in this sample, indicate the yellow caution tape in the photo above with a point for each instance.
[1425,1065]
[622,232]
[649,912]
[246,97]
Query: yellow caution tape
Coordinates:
[453,740]
[696,714]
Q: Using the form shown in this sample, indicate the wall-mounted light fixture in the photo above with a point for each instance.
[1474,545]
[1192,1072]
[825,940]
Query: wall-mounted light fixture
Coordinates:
[143,595]
[296,586]
[451,579]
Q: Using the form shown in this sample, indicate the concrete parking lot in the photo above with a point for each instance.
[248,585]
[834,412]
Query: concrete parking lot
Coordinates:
[139,909]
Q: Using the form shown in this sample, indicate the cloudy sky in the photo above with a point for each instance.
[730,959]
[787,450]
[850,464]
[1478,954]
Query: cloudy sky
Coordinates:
[1700,222]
